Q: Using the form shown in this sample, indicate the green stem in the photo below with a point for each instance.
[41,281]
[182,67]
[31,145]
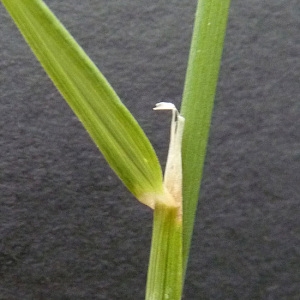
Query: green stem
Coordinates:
[165,267]
[198,97]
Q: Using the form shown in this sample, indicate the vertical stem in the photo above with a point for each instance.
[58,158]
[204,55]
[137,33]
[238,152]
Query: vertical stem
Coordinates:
[198,97]
[165,267]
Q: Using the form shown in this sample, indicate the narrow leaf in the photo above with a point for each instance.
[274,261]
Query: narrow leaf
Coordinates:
[197,104]
[109,123]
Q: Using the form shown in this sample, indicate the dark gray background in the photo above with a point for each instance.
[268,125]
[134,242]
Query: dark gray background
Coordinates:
[70,230]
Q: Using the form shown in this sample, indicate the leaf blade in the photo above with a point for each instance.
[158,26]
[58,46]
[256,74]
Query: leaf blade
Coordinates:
[113,129]
[197,104]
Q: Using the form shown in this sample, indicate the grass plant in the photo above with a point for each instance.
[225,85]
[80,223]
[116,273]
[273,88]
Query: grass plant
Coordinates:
[174,196]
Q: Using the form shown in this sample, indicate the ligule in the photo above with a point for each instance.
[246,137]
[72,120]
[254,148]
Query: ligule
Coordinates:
[173,171]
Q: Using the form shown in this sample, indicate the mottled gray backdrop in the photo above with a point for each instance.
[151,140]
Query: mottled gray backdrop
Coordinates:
[68,227]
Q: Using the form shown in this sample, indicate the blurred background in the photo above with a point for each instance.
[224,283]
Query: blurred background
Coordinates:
[70,230]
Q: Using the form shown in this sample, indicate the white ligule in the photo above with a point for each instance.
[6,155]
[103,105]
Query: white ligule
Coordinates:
[173,171]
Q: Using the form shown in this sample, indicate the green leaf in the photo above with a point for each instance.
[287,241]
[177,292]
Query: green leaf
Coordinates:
[198,98]
[109,123]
